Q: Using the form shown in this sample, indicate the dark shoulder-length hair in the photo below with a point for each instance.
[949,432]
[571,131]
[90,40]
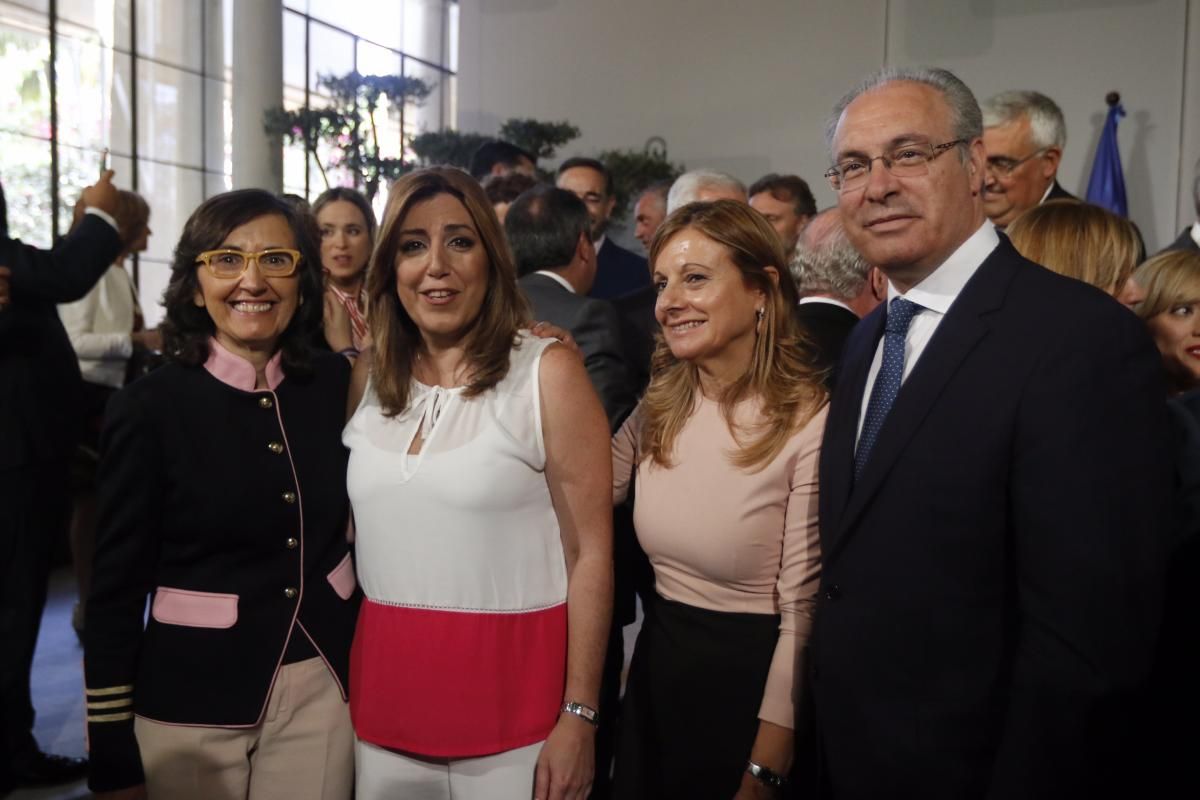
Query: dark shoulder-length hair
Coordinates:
[397,339]
[188,327]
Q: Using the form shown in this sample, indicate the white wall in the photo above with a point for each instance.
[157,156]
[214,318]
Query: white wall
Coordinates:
[746,86]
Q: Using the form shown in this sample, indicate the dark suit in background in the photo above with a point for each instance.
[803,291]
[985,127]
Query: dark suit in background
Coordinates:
[638,331]
[828,325]
[1059,193]
[618,271]
[40,423]
[992,582]
[597,330]
[1184,242]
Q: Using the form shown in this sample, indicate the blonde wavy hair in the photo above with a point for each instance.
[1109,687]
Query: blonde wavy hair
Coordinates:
[1169,279]
[780,373]
[490,338]
[1079,240]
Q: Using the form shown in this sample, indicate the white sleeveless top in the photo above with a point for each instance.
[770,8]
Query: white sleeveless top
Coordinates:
[461,644]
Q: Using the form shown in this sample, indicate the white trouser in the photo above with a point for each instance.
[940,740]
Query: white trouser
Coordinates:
[382,774]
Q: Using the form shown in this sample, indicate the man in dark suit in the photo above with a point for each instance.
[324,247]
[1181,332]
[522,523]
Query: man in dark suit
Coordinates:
[837,288]
[39,391]
[549,231]
[994,478]
[618,271]
[1189,238]
[1024,135]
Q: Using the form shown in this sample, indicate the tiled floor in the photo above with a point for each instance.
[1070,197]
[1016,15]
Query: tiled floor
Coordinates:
[58,687]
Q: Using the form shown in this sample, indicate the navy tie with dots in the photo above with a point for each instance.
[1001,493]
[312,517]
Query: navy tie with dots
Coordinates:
[887,383]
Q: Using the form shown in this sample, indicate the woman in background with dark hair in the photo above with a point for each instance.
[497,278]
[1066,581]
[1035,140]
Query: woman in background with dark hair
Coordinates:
[347,228]
[222,495]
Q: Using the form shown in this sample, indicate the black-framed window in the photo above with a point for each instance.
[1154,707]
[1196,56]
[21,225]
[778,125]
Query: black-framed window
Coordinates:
[151,81]
[331,37]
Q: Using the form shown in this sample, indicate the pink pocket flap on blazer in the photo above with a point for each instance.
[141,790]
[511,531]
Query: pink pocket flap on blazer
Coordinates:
[194,609]
[342,578]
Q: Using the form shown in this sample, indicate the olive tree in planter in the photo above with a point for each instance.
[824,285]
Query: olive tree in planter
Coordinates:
[350,126]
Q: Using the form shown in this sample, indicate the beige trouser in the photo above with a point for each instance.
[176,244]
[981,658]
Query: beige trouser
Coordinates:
[388,775]
[304,749]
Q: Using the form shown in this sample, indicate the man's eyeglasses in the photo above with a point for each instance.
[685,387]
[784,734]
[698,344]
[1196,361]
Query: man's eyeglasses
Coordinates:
[905,161]
[1003,166]
[277,262]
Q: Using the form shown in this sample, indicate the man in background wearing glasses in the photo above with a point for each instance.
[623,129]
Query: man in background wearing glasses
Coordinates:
[994,483]
[1024,135]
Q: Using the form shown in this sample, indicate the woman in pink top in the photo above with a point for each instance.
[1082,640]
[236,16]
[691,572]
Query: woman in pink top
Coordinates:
[723,452]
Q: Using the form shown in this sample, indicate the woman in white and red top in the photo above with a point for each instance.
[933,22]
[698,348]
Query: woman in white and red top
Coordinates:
[479,477]
[347,226]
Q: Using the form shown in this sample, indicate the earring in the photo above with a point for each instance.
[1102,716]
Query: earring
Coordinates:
[759,313]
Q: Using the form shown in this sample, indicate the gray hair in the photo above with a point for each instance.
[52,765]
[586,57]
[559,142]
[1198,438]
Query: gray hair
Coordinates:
[966,118]
[1046,124]
[832,267]
[687,186]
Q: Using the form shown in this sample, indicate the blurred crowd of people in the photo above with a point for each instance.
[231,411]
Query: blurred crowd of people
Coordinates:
[907,487]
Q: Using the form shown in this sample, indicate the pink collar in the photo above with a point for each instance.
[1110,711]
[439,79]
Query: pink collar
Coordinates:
[233,370]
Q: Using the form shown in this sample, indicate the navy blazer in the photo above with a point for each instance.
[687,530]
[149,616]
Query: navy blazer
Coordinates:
[618,272]
[992,584]
[227,508]
[39,374]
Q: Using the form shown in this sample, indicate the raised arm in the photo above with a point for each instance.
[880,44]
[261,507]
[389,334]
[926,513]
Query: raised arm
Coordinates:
[67,272]
[578,472]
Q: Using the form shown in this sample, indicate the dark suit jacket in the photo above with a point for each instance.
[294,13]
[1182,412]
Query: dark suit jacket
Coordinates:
[597,329]
[237,499]
[639,330]
[992,584]
[39,375]
[1059,193]
[828,326]
[1184,242]
[618,272]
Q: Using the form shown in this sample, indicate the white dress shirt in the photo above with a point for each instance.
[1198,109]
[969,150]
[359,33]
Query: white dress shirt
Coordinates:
[935,295]
[1196,232]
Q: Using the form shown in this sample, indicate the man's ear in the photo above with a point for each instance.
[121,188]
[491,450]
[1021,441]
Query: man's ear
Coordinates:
[773,274]
[1050,161]
[585,251]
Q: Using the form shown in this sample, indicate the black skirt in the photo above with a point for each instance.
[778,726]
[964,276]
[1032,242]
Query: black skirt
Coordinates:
[690,712]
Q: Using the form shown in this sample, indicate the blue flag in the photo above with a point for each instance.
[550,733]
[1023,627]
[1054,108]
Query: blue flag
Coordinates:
[1106,187]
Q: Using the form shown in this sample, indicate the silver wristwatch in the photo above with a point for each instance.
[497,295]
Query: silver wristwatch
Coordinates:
[588,713]
[765,776]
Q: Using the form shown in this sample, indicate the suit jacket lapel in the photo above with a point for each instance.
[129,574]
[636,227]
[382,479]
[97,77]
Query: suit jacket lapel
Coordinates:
[958,333]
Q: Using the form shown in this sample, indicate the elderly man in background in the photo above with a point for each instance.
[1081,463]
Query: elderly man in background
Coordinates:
[704,185]
[1024,135]
[787,203]
[837,287]
[995,480]
[650,211]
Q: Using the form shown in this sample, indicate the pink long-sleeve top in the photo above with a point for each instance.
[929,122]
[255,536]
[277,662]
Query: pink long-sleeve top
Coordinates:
[727,538]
